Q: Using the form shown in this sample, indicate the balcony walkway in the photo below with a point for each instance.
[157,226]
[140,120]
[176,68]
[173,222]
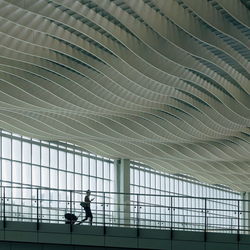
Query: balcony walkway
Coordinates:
[26,235]
[31,216]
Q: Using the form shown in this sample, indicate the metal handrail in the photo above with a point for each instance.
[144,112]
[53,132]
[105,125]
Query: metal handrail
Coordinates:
[198,216]
[101,193]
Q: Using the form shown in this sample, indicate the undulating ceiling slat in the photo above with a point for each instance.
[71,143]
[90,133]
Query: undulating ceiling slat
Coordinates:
[163,82]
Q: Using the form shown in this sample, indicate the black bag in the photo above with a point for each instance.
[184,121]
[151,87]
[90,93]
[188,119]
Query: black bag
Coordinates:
[84,204]
[70,218]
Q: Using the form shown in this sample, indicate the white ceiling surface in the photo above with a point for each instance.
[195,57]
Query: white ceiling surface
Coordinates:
[164,82]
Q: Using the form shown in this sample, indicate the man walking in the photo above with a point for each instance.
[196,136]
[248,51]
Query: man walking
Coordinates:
[86,206]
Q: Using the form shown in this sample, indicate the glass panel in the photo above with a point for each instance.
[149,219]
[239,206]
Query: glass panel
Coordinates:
[142,178]
[112,186]
[100,168]
[92,167]
[176,186]
[45,177]
[152,181]
[78,166]
[45,156]
[181,188]
[147,175]
[163,179]
[26,154]
[53,158]
[62,180]
[6,148]
[85,183]
[62,160]
[111,172]
[16,172]
[35,154]
[16,150]
[171,185]
[99,185]
[17,194]
[93,184]
[70,162]
[78,182]
[132,177]
[26,173]
[106,170]
[106,186]
[158,181]
[167,187]
[137,177]
[6,170]
[85,165]
[36,176]
[53,178]
[70,181]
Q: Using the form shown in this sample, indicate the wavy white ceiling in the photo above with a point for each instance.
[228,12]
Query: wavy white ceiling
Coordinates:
[165,82]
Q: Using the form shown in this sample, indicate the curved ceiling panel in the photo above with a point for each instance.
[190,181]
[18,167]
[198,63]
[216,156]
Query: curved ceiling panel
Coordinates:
[162,82]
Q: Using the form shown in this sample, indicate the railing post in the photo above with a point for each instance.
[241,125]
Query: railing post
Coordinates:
[160,198]
[104,215]
[37,209]
[70,204]
[137,215]
[4,212]
[171,217]
[41,205]
[205,229]
[231,225]
[238,230]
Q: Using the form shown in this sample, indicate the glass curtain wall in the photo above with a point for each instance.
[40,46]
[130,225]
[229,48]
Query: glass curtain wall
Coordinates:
[155,188]
[49,170]
[46,172]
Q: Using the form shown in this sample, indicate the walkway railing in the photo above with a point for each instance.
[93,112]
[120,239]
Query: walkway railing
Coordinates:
[42,205]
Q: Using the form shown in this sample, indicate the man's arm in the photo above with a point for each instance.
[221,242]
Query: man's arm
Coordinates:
[87,200]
